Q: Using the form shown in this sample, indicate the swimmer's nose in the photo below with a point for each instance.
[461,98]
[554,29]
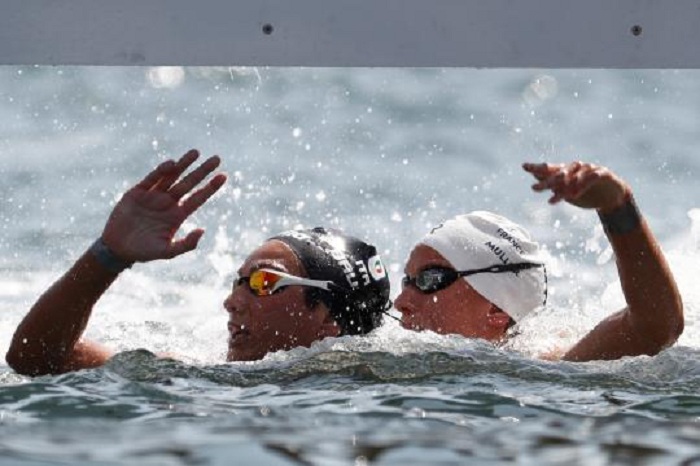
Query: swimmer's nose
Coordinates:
[228,303]
[237,300]
[404,304]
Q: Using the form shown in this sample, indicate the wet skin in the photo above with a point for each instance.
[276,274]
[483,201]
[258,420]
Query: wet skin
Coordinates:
[282,321]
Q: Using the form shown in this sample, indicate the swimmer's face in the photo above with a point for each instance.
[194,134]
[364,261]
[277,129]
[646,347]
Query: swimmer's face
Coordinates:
[262,324]
[457,309]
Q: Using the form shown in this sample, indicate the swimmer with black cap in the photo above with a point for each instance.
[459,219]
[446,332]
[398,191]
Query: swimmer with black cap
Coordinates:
[342,289]
[479,274]
[295,289]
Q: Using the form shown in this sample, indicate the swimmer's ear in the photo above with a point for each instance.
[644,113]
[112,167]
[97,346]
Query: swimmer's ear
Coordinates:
[496,318]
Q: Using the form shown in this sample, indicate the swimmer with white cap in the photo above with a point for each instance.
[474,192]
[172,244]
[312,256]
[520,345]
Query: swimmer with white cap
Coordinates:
[296,288]
[478,274]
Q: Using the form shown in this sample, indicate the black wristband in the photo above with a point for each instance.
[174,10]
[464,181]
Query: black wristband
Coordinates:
[107,258]
[624,219]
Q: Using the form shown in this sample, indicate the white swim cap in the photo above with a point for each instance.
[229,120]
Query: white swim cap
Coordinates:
[483,239]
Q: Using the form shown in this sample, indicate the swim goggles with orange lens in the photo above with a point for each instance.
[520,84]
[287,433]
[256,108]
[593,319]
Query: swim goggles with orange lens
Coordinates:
[434,279]
[264,282]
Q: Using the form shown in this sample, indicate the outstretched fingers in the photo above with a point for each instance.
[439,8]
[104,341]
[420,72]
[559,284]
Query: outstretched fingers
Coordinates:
[541,170]
[543,173]
[581,184]
[562,184]
[558,187]
[188,183]
[584,180]
[200,196]
[166,181]
[565,181]
[565,184]
[186,244]
[164,169]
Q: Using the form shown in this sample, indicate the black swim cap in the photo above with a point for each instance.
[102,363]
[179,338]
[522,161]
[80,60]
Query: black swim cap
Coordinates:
[326,254]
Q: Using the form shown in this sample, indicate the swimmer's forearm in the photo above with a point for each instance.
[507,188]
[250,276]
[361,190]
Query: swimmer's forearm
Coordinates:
[46,341]
[653,299]
[653,318]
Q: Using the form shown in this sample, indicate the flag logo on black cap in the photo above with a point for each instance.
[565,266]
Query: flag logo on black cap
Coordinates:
[376,268]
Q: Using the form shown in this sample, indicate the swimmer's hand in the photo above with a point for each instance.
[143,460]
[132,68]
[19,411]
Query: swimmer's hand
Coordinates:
[144,222]
[581,184]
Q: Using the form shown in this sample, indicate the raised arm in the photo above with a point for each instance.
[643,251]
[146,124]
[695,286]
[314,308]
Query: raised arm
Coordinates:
[141,228]
[653,317]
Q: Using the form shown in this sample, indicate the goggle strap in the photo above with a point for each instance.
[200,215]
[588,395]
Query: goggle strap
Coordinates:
[501,268]
[288,280]
[387,308]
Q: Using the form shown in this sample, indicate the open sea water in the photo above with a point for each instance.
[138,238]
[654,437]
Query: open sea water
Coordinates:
[384,154]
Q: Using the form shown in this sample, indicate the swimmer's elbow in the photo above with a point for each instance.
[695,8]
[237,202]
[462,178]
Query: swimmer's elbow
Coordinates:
[20,363]
[24,362]
[83,355]
[677,323]
[665,332]
[668,339]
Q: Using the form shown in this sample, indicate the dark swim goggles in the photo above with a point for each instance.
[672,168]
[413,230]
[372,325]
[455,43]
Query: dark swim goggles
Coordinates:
[434,279]
[264,282]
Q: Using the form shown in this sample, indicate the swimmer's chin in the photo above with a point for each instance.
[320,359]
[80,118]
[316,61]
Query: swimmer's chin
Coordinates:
[240,355]
[412,326]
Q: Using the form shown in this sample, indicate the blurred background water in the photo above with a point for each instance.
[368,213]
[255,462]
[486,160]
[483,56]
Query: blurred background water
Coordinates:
[384,154]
